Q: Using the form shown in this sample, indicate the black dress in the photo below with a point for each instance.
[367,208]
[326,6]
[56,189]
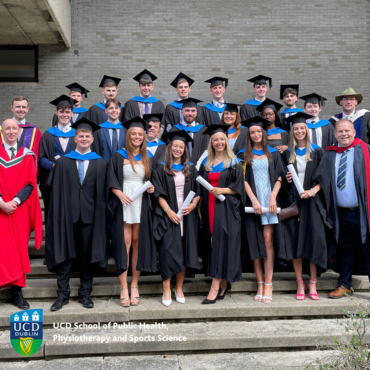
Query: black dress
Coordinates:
[175,252]
[222,257]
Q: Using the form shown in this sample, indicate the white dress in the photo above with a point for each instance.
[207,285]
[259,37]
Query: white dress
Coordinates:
[131,182]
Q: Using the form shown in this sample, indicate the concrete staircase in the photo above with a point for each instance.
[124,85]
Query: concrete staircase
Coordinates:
[234,333]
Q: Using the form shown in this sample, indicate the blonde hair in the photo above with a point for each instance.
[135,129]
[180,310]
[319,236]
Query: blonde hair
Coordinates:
[293,144]
[228,155]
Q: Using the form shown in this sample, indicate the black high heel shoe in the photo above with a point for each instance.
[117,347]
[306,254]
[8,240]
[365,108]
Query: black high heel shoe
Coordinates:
[228,287]
[211,301]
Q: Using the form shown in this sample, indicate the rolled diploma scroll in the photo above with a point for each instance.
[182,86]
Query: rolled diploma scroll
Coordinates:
[140,191]
[187,201]
[209,187]
[296,181]
[264,210]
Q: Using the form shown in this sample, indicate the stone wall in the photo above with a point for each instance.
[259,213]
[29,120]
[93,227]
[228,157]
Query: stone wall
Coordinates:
[322,45]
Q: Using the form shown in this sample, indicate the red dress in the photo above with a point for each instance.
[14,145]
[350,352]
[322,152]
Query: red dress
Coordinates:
[213,180]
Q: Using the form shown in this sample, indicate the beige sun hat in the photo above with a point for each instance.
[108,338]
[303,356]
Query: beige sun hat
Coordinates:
[349,91]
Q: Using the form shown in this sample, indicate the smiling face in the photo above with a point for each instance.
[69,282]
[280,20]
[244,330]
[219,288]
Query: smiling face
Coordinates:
[312,109]
[10,131]
[146,89]
[260,91]
[64,116]
[217,92]
[189,114]
[299,131]
[269,114]
[229,118]
[344,133]
[177,149]
[20,109]
[83,140]
[153,131]
[113,111]
[290,100]
[137,137]
[218,142]
[348,103]
[255,133]
[183,90]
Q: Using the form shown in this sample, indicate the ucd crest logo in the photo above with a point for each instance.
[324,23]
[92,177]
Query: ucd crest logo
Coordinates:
[26,331]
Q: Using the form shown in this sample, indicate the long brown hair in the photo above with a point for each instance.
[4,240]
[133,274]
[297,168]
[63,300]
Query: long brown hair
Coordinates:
[237,124]
[168,162]
[143,152]
[248,154]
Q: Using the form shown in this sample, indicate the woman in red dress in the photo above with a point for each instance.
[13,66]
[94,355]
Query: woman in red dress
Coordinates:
[221,231]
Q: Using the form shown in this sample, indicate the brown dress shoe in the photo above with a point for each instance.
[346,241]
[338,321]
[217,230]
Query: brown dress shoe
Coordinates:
[339,292]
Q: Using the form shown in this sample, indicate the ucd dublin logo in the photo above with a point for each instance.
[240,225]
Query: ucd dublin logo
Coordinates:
[26,331]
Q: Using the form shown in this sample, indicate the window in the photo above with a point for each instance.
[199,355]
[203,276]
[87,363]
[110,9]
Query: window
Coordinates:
[19,63]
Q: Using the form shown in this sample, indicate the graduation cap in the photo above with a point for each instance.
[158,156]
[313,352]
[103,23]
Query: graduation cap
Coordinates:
[136,122]
[145,74]
[214,81]
[78,88]
[85,124]
[256,121]
[268,103]
[214,128]
[231,107]
[63,100]
[109,80]
[261,80]
[153,117]
[299,117]
[190,103]
[284,87]
[314,99]
[182,135]
[181,76]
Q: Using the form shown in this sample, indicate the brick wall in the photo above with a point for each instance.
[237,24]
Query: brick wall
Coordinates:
[322,45]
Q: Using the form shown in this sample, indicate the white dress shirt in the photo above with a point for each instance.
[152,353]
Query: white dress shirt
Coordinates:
[85,163]
[7,148]
[153,149]
[110,130]
[318,130]
[22,122]
[301,166]
[219,104]
[350,116]
[64,141]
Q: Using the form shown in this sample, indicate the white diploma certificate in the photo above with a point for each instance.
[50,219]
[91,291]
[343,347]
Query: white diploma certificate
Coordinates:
[186,203]
[139,191]
[264,210]
[296,181]
[209,187]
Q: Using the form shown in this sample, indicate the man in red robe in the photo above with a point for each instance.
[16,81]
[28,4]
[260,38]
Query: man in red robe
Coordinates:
[20,211]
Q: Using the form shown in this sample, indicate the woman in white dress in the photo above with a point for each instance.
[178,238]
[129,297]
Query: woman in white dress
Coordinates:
[123,180]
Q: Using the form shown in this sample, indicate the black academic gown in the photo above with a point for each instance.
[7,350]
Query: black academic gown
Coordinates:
[172,116]
[248,111]
[284,140]
[98,115]
[69,201]
[240,141]
[174,252]
[158,156]
[132,109]
[209,117]
[307,237]
[328,137]
[147,258]
[102,144]
[252,222]
[200,143]
[222,258]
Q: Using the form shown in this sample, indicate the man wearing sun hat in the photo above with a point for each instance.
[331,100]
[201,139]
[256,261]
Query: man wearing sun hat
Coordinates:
[348,100]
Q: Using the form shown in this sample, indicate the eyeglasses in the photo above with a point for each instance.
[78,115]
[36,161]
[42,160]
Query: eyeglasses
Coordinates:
[350,98]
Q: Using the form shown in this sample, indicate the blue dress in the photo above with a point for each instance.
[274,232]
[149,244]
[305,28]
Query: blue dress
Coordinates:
[261,176]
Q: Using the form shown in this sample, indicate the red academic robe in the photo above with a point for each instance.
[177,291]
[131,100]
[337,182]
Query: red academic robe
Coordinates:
[15,229]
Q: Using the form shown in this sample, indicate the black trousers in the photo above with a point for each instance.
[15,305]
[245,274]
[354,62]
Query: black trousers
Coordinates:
[16,291]
[349,240]
[82,238]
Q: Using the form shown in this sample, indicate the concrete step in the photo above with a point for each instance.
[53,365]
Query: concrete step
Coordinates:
[175,338]
[237,361]
[32,251]
[151,309]
[109,287]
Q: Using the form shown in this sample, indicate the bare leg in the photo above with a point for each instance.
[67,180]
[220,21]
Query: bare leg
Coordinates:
[167,289]
[258,269]
[215,287]
[180,277]
[313,274]
[123,276]
[297,264]
[268,234]
[135,273]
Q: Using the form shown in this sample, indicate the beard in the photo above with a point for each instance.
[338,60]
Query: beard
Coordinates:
[189,119]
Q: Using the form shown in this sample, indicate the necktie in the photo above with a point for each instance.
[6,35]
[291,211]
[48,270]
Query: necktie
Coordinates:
[13,152]
[190,146]
[146,108]
[341,179]
[314,136]
[64,140]
[81,172]
[114,141]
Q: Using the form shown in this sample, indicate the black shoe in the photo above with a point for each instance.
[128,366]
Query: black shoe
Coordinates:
[21,303]
[86,301]
[59,303]
[211,301]
[228,287]
[44,262]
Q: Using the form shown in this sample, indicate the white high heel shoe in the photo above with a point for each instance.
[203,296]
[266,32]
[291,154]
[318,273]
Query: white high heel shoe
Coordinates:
[166,302]
[180,300]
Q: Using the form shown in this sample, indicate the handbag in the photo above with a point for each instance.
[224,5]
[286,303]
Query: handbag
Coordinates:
[291,211]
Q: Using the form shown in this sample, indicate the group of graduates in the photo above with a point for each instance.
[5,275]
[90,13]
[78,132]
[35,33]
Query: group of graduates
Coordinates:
[114,180]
